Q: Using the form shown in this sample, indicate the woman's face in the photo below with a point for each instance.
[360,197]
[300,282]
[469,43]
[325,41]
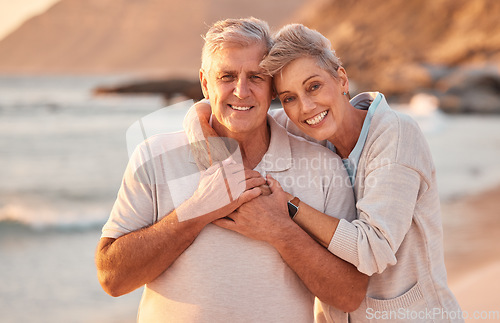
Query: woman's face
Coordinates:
[312,97]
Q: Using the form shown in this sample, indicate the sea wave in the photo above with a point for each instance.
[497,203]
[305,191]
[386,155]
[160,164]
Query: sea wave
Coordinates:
[18,218]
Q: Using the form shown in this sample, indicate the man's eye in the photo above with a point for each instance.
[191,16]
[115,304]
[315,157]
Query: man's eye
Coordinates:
[227,78]
[257,77]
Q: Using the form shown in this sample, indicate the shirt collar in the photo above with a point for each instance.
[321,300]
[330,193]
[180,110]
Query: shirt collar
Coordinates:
[279,153]
[278,156]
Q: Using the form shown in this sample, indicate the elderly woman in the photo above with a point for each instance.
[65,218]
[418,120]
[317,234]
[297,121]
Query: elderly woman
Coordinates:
[397,237]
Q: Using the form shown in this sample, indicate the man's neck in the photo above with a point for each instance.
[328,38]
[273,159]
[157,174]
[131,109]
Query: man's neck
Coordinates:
[253,146]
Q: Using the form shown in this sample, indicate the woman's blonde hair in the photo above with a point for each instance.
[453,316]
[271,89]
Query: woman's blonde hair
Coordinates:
[296,41]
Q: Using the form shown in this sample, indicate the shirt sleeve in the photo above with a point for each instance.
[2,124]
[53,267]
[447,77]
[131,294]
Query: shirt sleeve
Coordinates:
[134,207]
[385,214]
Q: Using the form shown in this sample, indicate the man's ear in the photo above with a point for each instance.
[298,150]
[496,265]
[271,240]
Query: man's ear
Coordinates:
[274,92]
[203,82]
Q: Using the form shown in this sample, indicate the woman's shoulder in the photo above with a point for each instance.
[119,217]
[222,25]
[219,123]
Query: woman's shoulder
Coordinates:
[394,126]
[398,138]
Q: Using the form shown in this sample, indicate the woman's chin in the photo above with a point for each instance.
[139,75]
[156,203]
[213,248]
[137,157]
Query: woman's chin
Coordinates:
[319,133]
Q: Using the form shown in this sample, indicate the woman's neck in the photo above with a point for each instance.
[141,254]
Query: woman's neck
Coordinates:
[347,134]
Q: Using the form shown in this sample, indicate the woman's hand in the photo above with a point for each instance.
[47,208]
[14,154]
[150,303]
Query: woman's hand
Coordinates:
[206,146]
[222,188]
[262,218]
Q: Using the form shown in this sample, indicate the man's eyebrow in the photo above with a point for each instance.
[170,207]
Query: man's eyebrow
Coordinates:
[224,71]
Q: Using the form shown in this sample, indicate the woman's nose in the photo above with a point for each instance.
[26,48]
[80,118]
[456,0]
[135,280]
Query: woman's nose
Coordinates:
[307,104]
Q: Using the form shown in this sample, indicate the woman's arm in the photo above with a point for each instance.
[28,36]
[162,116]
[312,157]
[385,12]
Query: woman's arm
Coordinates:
[371,241]
[206,145]
[318,225]
[386,211]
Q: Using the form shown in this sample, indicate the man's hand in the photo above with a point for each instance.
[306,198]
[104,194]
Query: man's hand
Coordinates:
[223,187]
[261,218]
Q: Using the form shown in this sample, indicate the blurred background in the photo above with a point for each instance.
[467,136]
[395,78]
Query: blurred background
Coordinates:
[75,74]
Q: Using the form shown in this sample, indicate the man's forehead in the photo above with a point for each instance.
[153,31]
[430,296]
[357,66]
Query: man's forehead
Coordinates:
[229,68]
[238,56]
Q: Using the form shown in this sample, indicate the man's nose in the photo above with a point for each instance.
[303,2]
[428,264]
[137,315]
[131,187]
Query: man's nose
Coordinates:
[241,89]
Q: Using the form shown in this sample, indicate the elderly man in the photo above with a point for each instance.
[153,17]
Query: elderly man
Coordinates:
[201,260]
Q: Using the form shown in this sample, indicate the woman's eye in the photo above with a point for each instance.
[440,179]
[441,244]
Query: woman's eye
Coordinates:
[314,87]
[287,99]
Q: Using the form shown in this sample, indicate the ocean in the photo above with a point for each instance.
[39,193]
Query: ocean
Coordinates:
[62,154]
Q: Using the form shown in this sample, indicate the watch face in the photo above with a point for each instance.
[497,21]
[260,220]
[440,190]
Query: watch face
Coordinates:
[292,209]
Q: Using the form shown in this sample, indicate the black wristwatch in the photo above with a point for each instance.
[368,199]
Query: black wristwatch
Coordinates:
[293,207]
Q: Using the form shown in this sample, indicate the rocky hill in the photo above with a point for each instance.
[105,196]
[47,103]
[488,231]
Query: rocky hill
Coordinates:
[450,48]
[160,37]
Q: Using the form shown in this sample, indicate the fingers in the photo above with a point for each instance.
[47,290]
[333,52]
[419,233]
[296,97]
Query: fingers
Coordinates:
[274,185]
[266,190]
[248,195]
[255,182]
[250,173]
[251,177]
[225,223]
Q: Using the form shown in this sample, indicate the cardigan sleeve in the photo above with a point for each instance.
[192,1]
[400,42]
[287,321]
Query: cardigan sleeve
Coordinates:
[385,214]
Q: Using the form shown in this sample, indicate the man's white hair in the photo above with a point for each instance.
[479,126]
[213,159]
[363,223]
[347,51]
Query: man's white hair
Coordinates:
[244,32]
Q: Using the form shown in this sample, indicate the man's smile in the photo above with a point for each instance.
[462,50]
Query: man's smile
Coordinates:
[240,107]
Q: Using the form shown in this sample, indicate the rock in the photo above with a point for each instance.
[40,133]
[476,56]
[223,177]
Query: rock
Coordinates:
[167,88]
[470,90]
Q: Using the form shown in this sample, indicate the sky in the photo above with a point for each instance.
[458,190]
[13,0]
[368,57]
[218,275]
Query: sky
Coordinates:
[14,12]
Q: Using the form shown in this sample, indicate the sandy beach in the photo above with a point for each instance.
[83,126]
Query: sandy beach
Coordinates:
[472,254]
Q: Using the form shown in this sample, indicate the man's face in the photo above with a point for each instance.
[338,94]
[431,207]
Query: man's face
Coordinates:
[239,92]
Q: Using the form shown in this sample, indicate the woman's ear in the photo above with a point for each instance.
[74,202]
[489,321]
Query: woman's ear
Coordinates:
[344,81]
[203,82]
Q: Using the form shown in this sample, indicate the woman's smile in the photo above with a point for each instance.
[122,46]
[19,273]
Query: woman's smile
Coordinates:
[314,121]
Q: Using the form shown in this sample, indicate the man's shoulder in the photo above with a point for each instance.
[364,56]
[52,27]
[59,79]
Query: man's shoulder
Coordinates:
[171,138]
[160,146]
[163,142]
